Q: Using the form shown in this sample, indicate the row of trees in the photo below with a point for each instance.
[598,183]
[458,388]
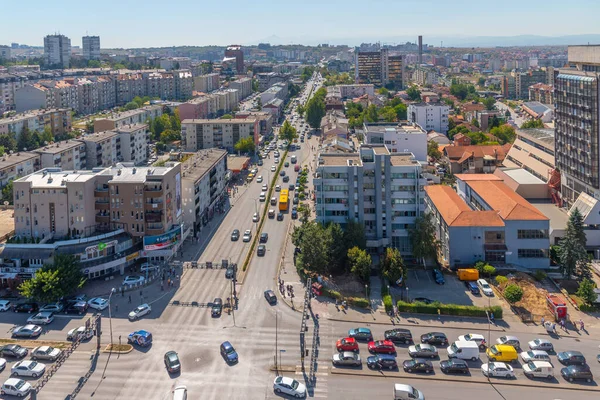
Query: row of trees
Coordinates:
[53,282]
[393,110]
[315,108]
[166,129]
[288,132]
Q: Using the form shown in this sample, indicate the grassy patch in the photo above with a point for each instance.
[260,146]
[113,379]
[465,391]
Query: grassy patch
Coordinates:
[119,348]
[35,343]
[449,309]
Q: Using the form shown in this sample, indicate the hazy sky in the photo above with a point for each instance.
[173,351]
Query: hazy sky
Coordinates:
[129,23]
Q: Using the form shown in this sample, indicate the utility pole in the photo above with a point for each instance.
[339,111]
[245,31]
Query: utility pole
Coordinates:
[276,342]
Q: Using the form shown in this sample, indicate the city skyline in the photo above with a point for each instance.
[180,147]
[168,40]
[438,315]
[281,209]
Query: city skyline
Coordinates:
[436,21]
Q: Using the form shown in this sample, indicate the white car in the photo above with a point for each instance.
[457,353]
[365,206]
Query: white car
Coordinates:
[133,280]
[273,168]
[289,386]
[255,217]
[277,188]
[485,287]
[45,353]
[180,393]
[74,333]
[541,344]
[475,337]
[247,235]
[498,370]
[98,303]
[264,187]
[41,318]
[535,355]
[28,368]
[53,307]
[148,267]
[5,305]
[140,311]
[16,387]
[259,179]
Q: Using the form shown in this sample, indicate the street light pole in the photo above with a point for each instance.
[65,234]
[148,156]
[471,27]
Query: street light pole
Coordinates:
[112,291]
[276,340]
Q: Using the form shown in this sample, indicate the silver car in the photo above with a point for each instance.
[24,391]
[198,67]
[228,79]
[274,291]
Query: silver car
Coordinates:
[45,353]
[346,358]
[541,344]
[423,350]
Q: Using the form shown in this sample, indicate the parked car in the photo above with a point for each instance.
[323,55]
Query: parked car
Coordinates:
[418,365]
[474,337]
[438,338]
[5,305]
[2,364]
[45,353]
[53,307]
[13,350]
[29,368]
[27,307]
[76,307]
[398,336]
[497,370]
[172,362]
[15,387]
[347,344]
[27,331]
[571,357]
[217,307]
[41,318]
[454,365]
[81,333]
[140,311]
[509,340]
[294,213]
[264,237]
[541,344]
[485,287]
[235,235]
[534,355]
[423,350]
[381,346]
[382,361]
[438,276]
[289,386]
[577,373]
[228,352]
[361,334]
[346,358]
[270,297]
[472,286]
[133,280]
[98,303]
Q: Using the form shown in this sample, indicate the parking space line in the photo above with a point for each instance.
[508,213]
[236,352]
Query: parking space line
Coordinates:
[428,276]
[416,275]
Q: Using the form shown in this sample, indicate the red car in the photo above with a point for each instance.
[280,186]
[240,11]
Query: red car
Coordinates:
[382,346]
[347,344]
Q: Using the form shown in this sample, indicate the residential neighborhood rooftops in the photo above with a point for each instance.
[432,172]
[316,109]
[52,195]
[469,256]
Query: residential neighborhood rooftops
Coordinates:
[59,147]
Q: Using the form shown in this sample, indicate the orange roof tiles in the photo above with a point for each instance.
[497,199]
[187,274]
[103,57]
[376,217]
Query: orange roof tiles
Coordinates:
[477,177]
[456,212]
[510,205]
[460,152]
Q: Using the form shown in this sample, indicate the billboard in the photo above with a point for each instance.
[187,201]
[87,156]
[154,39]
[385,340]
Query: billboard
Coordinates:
[163,241]
[178,195]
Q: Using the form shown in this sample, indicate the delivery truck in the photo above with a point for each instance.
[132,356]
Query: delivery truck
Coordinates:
[468,274]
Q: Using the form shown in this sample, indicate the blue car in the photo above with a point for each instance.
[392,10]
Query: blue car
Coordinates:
[141,338]
[294,214]
[361,334]
[229,353]
[439,277]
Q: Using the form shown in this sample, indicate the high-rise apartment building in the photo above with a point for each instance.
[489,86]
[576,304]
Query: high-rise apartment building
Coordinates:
[235,51]
[91,47]
[198,134]
[57,51]
[372,67]
[382,191]
[577,129]
[430,116]
[396,71]
[516,85]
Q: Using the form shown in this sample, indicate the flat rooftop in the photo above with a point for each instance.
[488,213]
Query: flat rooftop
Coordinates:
[219,121]
[558,217]
[134,174]
[199,164]
[340,159]
[59,147]
[399,160]
[544,137]
[402,127]
[56,178]
[10,160]
[130,113]
[98,137]
[131,128]
[523,177]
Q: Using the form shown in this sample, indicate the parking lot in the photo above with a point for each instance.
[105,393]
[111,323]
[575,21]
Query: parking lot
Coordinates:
[454,291]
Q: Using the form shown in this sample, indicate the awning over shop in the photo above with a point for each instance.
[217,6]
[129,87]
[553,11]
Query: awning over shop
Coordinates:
[17,253]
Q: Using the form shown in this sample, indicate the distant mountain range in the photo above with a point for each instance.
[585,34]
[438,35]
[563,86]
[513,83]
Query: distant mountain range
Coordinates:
[445,41]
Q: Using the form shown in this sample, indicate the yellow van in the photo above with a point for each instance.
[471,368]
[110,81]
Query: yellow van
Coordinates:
[502,352]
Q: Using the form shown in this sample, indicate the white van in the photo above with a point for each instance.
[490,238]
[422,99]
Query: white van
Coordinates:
[466,350]
[262,197]
[406,392]
[538,369]
[180,393]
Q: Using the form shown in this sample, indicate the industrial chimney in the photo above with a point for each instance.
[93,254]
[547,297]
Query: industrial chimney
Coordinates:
[420,50]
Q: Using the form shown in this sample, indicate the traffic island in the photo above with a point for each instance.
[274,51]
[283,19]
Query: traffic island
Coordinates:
[118,348]
[35,343]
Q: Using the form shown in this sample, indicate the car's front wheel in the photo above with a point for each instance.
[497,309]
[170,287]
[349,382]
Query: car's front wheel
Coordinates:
[34,375]
[298,396]
[277,390]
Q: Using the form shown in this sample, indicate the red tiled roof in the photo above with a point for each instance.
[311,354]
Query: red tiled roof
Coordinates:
[456,212]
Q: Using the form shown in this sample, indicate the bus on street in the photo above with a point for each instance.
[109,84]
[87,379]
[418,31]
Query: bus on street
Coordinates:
[284,200]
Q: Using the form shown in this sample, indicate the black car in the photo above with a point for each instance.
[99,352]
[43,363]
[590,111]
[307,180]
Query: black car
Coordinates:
[571,358]
[382,361]
[398,336]
[27,307]
[577,373]
[424,300]
[279,216]
[296,200]
[472,286]
[418,365]
[261,250]
[270,296]
[172,362]
[229,272]
[438,277]
[292,187]
[264,238]
[217,307]
[76,307]
[235,235]
[454,365]
[438,338]
[282,173]
[286,179]
[13,350]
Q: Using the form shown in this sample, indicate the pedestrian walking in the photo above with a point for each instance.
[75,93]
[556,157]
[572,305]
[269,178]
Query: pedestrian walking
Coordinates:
[162,287]
[581,325]
[543,321]
[554,328]
[562,324]
[129,299]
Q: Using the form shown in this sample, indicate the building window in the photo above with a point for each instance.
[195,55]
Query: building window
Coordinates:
[532,234]
[532,253]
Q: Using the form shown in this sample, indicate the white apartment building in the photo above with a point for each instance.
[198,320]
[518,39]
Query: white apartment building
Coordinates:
[243,86]
[398,138]
[134,143]
[103,149]
[118,120]
[67,155]
[430,116]
[13,166]
[351,91]
[91,47]
[202,185]
[9,84]
[382,191]
[57,50]
[198,134]
[170,63]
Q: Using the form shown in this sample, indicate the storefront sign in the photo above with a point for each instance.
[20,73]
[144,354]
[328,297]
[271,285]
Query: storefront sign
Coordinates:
[160,242]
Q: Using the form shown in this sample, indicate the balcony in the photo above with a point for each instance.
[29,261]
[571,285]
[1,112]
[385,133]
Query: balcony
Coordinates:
[102,218]
[153,193]
[101,192]
[102,205]
[152,216]
[154,229]
[156,206]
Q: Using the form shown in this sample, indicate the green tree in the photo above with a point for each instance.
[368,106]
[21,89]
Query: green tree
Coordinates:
[7,193]
[245,145]
[383,91]
[27,140]
[513,293]
[339,250]
[170,136]
[130,106]
[433,150]
[288,132]
[255,85]
[46,136]
[161,124]
[413,93]
[2,151]
[138,100]
[360,264]
[481,81]
[494,122]
[459,90]
[401,112]
[475,123]
[572,254]
[175,120]
[489,103]
[227,116]
[314,242]
[8,142]
[505,133]
[300,109]
[55,281]
[388,114]
[586,291]
[371,114]
[354,235]
[532,123]
[392,266]
[423,239]
[315,111]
